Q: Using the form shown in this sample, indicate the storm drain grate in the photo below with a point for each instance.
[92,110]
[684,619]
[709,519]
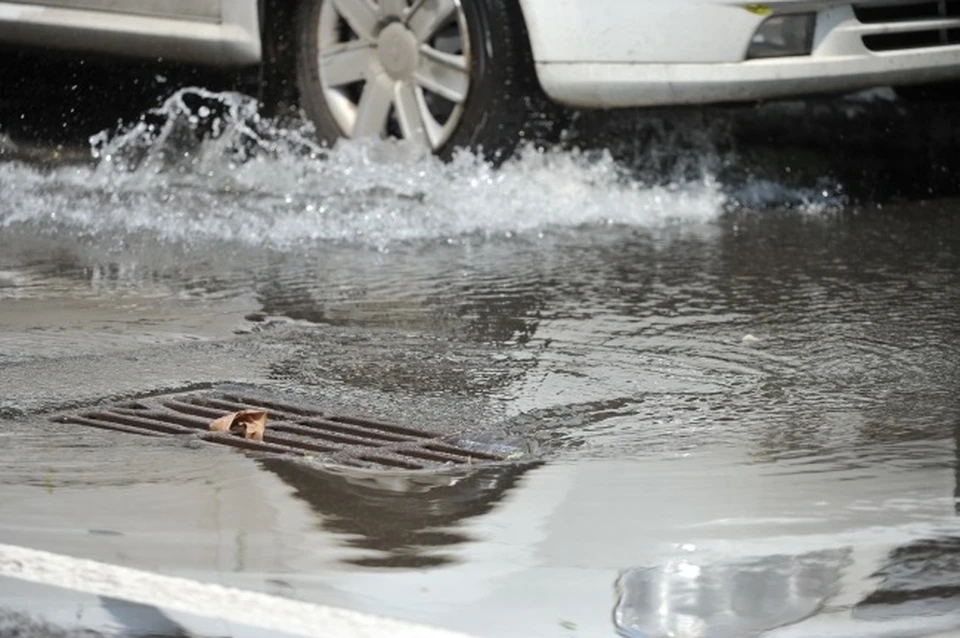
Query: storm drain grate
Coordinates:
[294,428]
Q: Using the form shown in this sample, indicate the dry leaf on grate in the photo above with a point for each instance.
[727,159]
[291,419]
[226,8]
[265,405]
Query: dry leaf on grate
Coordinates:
[249,424]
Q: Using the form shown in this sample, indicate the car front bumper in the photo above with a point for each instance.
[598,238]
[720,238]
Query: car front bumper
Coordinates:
[611,85]
[645,75]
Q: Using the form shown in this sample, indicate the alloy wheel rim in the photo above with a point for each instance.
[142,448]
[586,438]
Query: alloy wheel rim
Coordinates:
[395,68]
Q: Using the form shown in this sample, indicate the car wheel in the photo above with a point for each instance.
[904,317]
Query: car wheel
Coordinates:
[440,74]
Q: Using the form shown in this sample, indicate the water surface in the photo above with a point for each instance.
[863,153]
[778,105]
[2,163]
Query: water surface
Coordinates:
[744,414]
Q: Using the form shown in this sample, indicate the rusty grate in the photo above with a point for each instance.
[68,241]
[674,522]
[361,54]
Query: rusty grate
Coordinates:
[294,428]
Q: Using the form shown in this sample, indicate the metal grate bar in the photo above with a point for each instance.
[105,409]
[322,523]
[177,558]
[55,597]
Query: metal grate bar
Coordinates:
[163,416]
[299,433]
[362,430]
[385,426]
[436,457]
[306,426]
[114,418]
[105,425]
[391,462]
[191,408]
[292,429]
[474,454]
[336,426]
[201,416]
[246,444]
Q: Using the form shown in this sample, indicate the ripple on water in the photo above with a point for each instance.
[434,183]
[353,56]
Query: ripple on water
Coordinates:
[43,454]
[775,391]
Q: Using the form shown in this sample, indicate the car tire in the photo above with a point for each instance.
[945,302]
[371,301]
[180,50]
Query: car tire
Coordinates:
[501,106]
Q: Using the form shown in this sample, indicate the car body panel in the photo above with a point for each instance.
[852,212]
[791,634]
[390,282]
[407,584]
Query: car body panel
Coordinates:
[638,32]
[587,53]
[222,32]
[694,52]
[183,9]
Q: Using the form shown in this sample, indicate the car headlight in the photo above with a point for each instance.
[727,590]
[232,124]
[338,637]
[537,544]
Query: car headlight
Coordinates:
[783,35]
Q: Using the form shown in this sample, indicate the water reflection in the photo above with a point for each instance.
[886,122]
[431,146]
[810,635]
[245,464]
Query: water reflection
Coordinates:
[956,468]
[920,578]
[144,621]
[866,593]
[399,520]
[481,294]
[735,600]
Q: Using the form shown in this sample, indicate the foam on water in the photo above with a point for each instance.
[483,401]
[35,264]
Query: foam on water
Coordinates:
[206,166]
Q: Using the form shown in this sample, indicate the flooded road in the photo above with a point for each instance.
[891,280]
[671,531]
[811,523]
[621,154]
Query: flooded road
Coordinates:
[739,385]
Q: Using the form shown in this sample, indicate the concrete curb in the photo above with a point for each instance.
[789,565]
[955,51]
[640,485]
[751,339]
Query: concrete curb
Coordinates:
[201,599]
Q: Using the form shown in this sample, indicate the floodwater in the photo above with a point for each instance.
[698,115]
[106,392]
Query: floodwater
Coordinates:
[737,371]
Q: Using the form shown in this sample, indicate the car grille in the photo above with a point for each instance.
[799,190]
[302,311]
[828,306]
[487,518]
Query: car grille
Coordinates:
[910,24]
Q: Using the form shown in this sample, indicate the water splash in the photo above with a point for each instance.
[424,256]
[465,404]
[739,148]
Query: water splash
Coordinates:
[194,132]
[765,194]
[206,166]
[6,144]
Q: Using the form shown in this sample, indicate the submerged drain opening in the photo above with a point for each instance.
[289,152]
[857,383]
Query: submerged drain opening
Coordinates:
[294,428]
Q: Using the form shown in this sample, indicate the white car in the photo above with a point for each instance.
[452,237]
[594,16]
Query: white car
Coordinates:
[451,73]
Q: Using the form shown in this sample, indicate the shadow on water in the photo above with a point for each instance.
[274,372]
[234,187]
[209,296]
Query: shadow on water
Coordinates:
[399,520]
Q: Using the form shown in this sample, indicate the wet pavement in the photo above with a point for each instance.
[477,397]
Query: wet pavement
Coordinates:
[732,349]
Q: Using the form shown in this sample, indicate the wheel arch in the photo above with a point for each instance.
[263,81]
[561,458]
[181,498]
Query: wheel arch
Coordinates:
[526,12]
[276,21]
[278,84]
[277,90]
[533,14]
